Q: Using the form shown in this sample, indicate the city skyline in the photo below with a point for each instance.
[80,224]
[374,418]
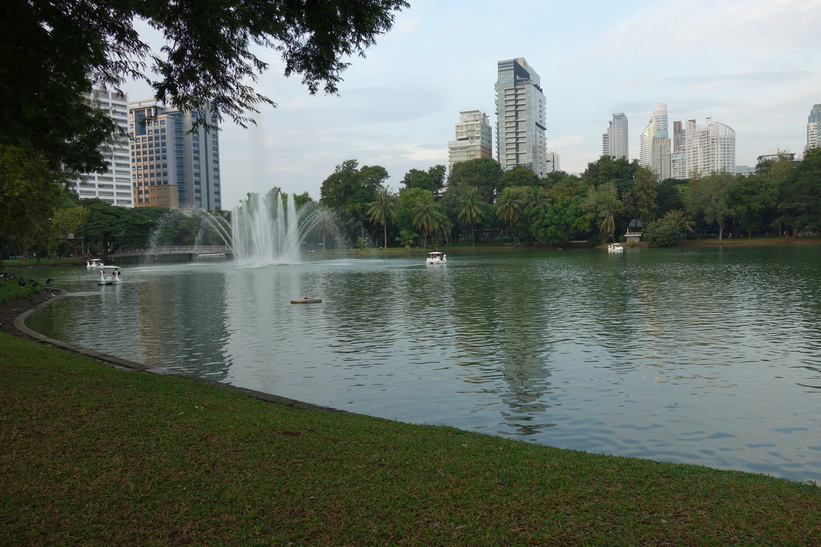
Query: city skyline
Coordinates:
[743,64]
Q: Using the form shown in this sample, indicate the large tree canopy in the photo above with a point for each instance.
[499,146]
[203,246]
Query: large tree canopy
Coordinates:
[52,52]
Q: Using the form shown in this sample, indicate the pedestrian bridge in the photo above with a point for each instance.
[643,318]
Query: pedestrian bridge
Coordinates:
[192,251]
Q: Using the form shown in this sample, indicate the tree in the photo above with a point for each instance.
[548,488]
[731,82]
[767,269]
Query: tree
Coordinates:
[645,194]
[800,199]
[470,211]
[29,194]
[752,200]
[110,228]
[383,210]
[508,208]
[433,179]
[709,198]
[603,204]
[661,234]
[483,173]
[557,222]
[680,220]
[56,50]
[606,169]
[519,176]
[350,191]
[427,216]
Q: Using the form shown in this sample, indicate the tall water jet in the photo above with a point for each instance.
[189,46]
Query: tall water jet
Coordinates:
[263,231]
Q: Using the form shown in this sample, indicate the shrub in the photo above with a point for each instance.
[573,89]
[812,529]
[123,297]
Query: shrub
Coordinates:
[661,234]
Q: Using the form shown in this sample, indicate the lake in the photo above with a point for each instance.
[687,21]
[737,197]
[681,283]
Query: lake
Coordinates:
[708,356]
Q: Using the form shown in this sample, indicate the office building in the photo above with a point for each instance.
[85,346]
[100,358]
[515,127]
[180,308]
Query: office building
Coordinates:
[113,186]
[474,138]
[814,127]
[520,117]
[615,141]
[173,166]
[709,148]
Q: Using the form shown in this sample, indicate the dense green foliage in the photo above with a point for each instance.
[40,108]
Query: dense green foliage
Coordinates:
[359,210]
[91,455]
[661,233]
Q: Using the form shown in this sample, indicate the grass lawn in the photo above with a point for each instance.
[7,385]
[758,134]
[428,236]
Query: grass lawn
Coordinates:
[91,454]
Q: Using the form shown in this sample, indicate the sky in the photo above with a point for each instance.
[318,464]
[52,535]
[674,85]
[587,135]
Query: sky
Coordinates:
[754,65]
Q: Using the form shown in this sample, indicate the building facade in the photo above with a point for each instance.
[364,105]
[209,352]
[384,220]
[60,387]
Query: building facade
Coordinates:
[814,127]
[709,148]
[553,164]
[520,117]
[678,160]
[474,138]
[173,166]
[655,152]
[615,142]
[113,186]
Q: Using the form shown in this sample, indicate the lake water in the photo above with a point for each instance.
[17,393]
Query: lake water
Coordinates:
[708,356]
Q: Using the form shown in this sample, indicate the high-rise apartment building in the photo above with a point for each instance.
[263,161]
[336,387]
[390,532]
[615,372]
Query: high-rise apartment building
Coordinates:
[113,186]
[814,127]
[709,148]
[474,138]
[655,152]
[615,141]
[173,166]
[520,117]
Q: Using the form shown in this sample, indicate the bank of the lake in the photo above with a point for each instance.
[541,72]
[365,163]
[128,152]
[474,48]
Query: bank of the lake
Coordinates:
[92,454]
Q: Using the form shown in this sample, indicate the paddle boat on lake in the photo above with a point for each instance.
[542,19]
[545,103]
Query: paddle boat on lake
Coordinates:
[109,275]
[94,264]
[436,258]
[615,248]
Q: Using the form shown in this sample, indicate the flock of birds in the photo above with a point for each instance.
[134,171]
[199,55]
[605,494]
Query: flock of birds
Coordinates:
[22,282]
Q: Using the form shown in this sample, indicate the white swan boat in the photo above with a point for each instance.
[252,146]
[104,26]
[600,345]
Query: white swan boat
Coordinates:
[436,258]
[615,248]
[94,264]
[109,275]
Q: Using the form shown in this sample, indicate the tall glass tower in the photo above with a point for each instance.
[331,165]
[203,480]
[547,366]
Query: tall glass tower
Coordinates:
[814,127]
[615,142]
[520,117]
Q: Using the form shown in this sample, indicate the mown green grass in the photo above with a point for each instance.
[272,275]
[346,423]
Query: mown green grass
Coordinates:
[90,454]
[11,290]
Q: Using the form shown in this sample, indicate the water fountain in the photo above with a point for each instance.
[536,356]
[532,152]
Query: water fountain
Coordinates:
[262,231]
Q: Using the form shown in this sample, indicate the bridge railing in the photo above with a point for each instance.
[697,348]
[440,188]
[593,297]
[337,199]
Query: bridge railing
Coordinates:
[176,249]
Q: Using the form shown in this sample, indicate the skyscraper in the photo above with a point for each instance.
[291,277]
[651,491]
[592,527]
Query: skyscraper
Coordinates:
[678,159]
[113,186]
[173,166]
[814,127]
[655,151]
[473,138]
[709,148]
[520,117]
[615,141]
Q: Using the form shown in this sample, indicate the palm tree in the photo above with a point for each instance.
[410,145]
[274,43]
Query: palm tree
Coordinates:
[427,218]
[679,218]
[471,210]
[507,207]
[382,210]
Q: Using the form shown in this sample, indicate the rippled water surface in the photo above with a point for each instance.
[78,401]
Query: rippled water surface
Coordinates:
[706,356]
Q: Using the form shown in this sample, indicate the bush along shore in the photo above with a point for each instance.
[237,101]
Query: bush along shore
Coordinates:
[93,454]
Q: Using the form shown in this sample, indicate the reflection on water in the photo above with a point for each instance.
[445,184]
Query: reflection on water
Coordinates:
[705,356]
